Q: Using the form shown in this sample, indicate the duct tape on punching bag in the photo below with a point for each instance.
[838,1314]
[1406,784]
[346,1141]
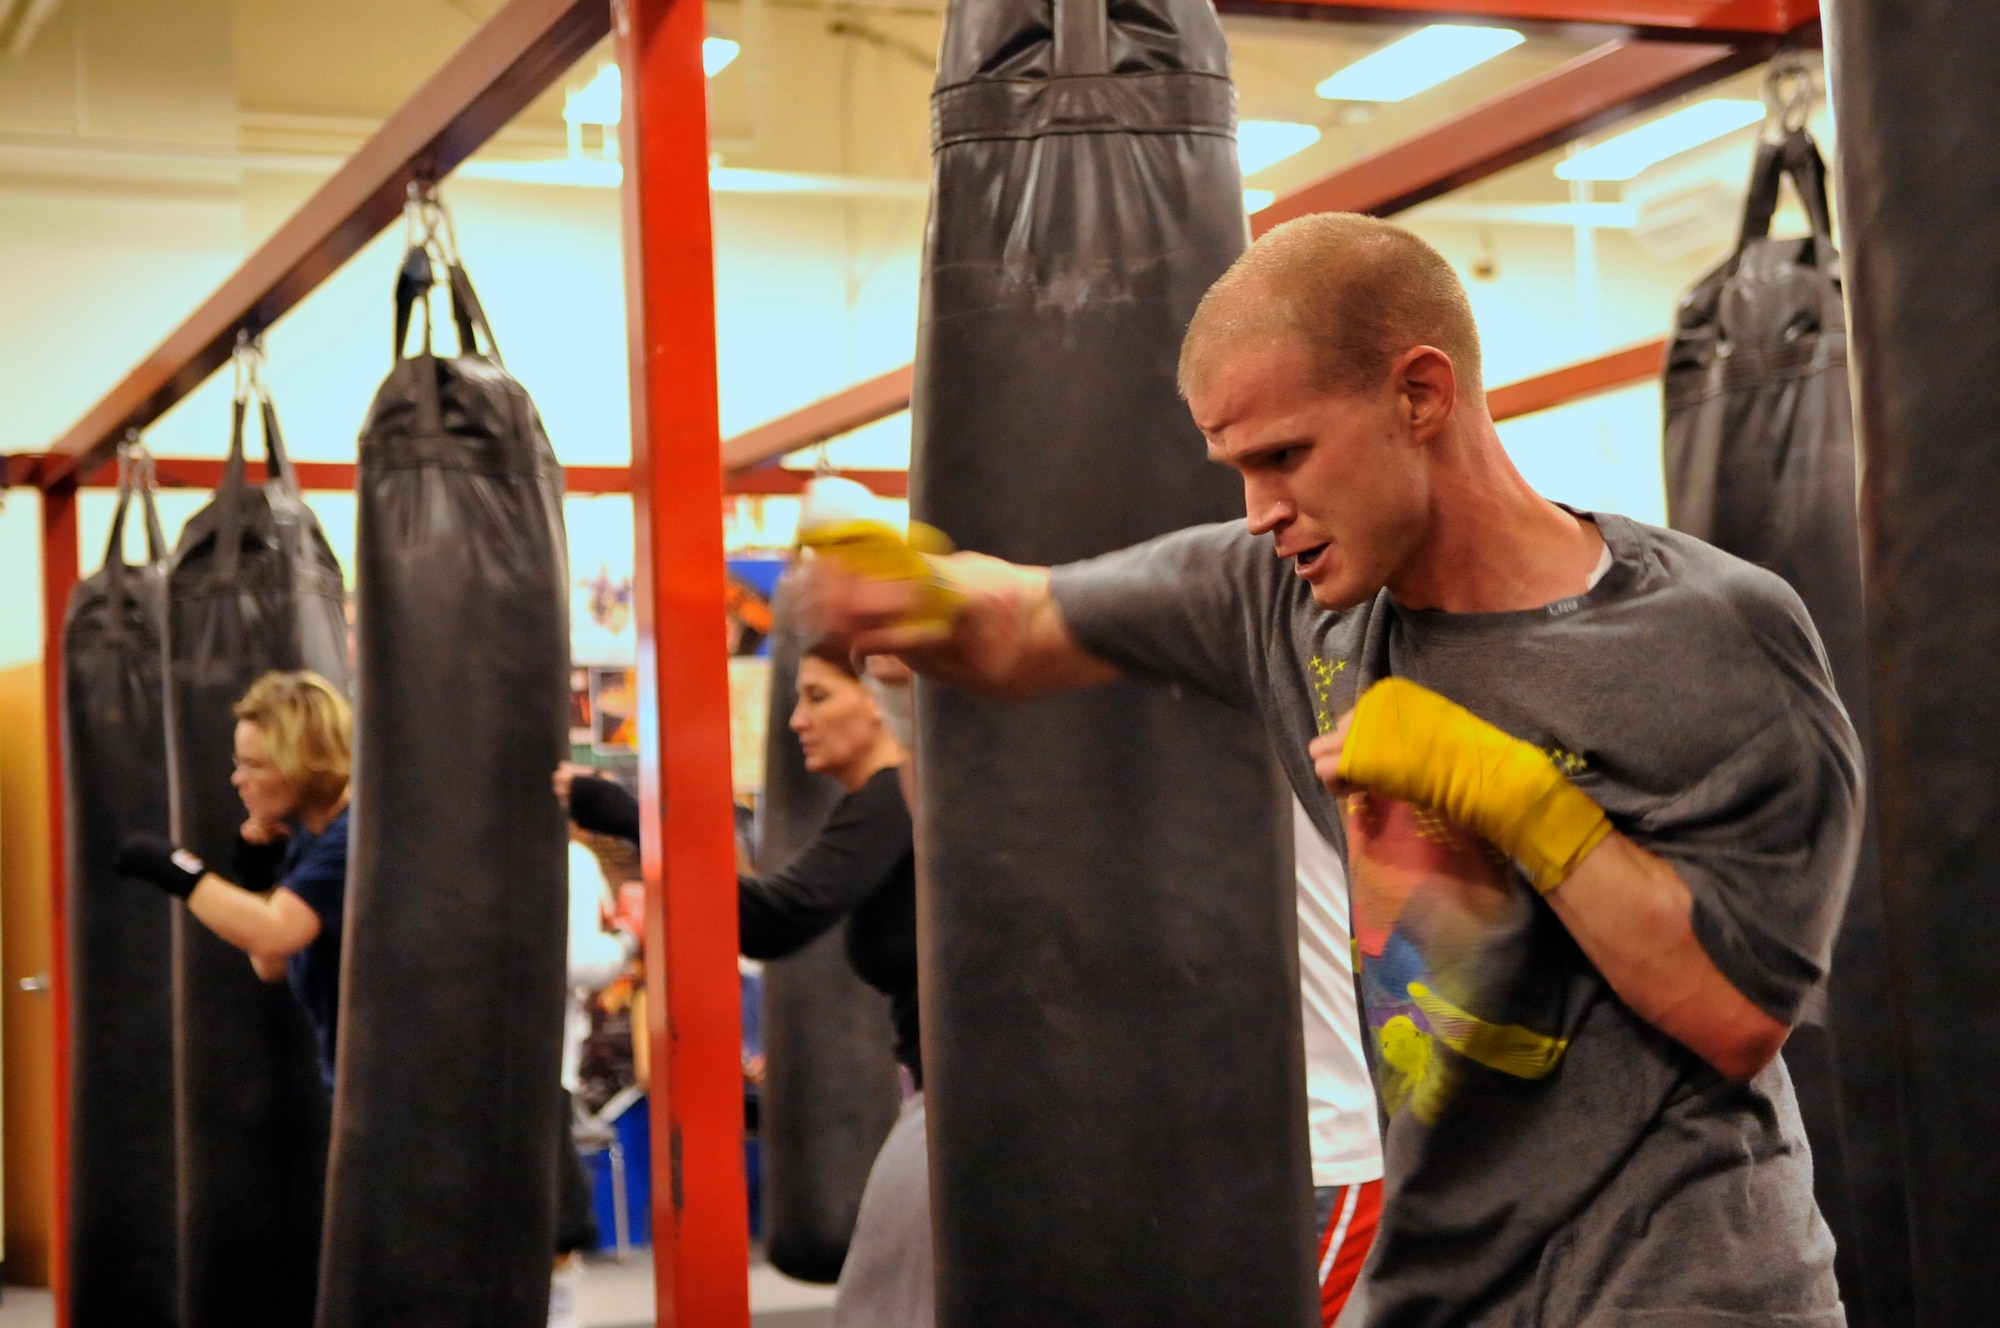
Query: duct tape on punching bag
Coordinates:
[254,587]
[121,1240]
[1760,462]
[1111,999]
[830,1087]
[448,1116]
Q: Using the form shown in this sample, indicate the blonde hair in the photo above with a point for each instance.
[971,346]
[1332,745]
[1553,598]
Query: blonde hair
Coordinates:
[306,723]
[1357,290]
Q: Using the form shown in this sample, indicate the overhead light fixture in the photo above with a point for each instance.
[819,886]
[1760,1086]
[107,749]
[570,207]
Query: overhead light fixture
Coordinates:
[1633,151]
[1261,143]
[716,53]
[1424,59]
[602,100]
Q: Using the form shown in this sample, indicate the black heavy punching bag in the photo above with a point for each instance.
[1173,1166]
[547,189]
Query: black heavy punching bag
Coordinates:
[830,1089]
[1913,86]
[1111,999]
[1760,462]
[121,1238]
[254,587]
[442,1204]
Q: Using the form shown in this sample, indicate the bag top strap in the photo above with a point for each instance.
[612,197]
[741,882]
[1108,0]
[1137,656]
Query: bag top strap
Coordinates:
[135,475]
[471,316]
[1795,157]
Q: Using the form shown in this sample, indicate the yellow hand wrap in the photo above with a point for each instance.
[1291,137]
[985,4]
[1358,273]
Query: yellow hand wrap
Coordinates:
[838,521]
[1408,742]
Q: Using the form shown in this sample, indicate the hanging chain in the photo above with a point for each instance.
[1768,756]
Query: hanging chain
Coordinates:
[822,461]
[427,222]
[1790,88]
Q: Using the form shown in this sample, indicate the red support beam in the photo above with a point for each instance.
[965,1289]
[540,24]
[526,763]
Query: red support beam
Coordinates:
[701,1217]
[59,577]
[843,412]
[1574,382]
[338,477]
[1597,88]
[506,63]
[1701,19]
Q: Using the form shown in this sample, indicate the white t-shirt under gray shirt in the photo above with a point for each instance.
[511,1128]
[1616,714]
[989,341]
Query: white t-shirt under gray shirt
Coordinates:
[1340,1094]
[1550,1157]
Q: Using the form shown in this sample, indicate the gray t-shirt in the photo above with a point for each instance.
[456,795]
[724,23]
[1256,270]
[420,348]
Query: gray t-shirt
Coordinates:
[1551,1158]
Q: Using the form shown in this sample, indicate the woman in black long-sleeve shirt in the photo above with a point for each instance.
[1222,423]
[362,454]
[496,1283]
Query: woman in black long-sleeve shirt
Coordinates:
[861,867]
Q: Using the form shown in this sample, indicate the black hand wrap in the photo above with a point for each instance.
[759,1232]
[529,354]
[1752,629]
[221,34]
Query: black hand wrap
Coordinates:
[255,866]
[603,808]
[156,861]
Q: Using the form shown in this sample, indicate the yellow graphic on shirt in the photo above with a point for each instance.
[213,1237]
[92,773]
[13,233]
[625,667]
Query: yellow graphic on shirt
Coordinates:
[1412,1074]
[1416,1078]
[1567,761]
[1320,677]
[1508,1048]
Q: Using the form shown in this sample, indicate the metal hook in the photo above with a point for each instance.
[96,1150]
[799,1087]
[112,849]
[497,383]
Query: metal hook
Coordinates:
[1789,91]
[822,461]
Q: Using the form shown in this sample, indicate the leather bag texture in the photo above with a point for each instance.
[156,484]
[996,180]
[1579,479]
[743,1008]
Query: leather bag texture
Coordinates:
[1918,190]
[830,1085]
[122,1239]
[1107,913]
[1760,463]
[442,1201]
[253,587]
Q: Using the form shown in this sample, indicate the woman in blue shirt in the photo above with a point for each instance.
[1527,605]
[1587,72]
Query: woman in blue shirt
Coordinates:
[285,893]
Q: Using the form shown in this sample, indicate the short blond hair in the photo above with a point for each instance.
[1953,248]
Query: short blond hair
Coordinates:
[307,725]
[1358,291]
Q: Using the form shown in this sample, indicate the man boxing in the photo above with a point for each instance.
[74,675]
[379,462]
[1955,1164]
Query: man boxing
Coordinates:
[1600,799]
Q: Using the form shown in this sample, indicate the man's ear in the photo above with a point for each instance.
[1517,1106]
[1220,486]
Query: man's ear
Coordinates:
[1427,384]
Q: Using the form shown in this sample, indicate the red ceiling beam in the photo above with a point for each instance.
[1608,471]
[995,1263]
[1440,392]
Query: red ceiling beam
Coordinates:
[1573,382]
[510,60]
[843,412]
[1665,19]
[1598,88]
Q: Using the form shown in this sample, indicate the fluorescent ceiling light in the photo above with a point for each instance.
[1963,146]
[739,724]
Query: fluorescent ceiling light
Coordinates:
[1261,143]
[1631,152]
[716,53]
[601,100]
[1424,59]
[1256,200]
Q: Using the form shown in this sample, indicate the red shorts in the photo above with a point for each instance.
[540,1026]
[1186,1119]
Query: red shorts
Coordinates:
[1348,1215]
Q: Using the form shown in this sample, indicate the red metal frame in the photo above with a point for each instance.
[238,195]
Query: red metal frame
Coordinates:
[1621,368]
[338,477]
[1653,18]
[1602,86]
[59,577]
[844,411]
[701,1218]
[506,63]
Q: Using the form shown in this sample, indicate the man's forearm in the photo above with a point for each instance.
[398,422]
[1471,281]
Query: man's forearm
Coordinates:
[1010,639]
[1633,917]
